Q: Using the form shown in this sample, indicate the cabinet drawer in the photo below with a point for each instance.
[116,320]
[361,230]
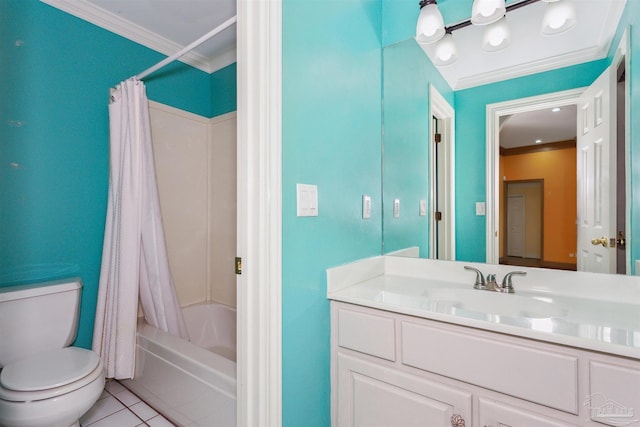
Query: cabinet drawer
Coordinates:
[367,333]
[614,394]
[540,376]
[498,414]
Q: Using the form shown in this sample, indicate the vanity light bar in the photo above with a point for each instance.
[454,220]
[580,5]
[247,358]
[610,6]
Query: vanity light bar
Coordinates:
[467,22]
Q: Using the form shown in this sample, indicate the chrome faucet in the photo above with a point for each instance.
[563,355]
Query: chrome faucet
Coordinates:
[491,284]
[507,285]
[480,283]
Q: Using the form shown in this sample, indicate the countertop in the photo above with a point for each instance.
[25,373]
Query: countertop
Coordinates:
[585,310]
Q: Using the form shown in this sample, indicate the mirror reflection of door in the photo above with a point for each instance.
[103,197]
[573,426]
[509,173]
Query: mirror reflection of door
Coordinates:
[584,183]
[523,228]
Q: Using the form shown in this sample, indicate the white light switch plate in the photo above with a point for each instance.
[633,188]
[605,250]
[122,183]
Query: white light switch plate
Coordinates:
[307,200]
[366,207]
[396,208]
[423,207]
[480,209]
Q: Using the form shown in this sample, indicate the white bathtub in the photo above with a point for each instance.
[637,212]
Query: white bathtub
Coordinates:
[191,383]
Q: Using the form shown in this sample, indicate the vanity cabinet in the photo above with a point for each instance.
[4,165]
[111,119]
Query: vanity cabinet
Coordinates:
[396,370]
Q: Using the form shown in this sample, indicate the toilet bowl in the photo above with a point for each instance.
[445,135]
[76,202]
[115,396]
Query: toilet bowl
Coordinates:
[52,389]
[44,382]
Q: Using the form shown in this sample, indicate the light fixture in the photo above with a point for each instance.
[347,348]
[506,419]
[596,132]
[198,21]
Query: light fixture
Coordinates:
[430,30]
[538,141]
[555,109]
[485,12]
[497,36]
[430,26]
[445,51]
[559,17]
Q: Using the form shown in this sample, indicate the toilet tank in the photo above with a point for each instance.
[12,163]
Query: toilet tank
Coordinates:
[38,317]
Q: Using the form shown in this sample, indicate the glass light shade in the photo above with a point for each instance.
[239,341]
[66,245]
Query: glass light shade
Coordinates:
[430,27]
[485,12]
[497,36]
[559,17]
[445,51]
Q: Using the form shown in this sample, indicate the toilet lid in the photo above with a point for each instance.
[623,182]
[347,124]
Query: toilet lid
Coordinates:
[49,369]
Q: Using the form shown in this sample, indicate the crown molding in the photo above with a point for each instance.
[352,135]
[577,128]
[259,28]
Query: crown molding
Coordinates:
[533,67]
[89,12]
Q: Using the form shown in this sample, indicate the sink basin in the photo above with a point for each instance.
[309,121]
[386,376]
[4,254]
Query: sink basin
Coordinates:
[496,303]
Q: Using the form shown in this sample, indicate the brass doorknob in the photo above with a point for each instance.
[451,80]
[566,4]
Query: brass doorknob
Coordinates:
[601,241]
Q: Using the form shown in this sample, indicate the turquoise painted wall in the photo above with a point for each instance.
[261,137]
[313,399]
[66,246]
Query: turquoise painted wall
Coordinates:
[56,71]
[470,107]
[331,138]
[224,90]
[407,76]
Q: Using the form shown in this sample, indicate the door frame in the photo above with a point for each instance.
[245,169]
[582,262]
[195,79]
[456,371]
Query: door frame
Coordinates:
[259,295]
[442,110]
[494,112]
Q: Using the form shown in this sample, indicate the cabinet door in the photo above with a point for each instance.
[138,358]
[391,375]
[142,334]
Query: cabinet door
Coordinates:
[492,413]
[373,395]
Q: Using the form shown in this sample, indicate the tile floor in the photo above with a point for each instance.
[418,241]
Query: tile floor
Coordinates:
[118,407]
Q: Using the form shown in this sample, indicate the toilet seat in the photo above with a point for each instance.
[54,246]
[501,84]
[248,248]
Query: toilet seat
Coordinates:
[49,374]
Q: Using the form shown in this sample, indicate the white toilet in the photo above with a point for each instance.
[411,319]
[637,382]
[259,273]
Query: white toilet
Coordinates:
[43,382]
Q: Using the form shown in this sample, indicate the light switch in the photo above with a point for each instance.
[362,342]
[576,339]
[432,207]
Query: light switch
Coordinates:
[423,207]
[366,207]
[396,208]
[307,200]
[480,210]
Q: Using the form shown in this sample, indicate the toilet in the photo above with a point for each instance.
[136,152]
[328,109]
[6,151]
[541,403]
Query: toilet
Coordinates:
[43,381]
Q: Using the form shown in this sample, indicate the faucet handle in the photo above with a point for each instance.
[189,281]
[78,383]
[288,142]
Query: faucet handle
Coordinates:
[507,284]
[480,283]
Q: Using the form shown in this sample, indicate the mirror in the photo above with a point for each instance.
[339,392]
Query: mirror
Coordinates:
[409,80]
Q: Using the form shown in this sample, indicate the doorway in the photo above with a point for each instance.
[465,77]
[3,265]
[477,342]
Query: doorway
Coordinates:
[523,224]
[441,177]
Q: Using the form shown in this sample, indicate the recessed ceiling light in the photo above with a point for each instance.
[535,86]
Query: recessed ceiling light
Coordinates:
[538,141]
[555,110]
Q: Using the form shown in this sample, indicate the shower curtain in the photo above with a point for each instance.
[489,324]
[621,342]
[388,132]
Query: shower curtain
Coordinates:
[134,256]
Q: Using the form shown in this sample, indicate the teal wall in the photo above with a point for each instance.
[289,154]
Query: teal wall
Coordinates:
[470,106]
[224,90]
[408,73]
[54,140]
[331,132]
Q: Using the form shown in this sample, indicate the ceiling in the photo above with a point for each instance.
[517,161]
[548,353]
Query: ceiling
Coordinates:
[529,51]
[165,26]
[545,125]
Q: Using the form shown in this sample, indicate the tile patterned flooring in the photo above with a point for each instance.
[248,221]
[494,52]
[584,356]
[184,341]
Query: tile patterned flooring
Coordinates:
[118,407]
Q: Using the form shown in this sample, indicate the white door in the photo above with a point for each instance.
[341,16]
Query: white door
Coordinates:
[596,176]
[515,225]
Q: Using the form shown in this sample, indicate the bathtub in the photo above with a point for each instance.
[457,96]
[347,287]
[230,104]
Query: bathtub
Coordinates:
[191,383]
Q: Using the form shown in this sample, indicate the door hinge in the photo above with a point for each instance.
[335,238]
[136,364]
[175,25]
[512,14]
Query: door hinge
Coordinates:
[437,138]
[238,265]
[438,216]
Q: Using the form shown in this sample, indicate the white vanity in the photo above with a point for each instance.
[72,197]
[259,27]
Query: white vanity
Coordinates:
[413,344]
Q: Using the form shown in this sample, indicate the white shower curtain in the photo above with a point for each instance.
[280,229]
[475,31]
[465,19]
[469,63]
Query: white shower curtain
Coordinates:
[134,255]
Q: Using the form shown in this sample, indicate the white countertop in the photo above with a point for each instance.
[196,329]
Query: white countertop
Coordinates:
[591,311]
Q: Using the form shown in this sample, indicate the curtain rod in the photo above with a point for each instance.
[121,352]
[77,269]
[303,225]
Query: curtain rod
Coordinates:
[188,48]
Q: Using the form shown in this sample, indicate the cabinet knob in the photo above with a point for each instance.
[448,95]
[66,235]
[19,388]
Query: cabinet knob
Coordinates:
[457,421]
